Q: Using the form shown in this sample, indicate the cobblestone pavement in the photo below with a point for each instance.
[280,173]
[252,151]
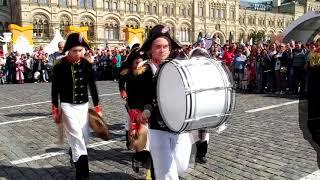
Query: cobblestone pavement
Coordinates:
[267,144]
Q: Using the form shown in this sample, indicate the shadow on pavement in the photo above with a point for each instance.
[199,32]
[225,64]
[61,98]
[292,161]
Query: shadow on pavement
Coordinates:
[58,172]
[116,127]
[26,114]
[118,155]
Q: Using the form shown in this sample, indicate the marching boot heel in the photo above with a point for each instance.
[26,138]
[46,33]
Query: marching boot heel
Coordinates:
[127,140]
[82,168]
[134,164]
[202,148]
[72,164]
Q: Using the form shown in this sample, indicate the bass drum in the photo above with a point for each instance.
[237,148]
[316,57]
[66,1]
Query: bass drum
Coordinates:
[194,94]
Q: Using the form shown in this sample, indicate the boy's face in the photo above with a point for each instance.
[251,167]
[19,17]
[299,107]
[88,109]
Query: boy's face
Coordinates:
[136,63]
[76,52]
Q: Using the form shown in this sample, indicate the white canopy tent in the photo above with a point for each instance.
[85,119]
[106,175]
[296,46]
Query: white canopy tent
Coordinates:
[304,29]
[53,45]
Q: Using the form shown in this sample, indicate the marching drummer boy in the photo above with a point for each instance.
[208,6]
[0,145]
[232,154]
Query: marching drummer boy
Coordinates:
[72,76]
[131,85]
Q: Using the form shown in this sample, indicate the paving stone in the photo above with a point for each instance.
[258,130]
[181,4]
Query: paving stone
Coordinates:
[268,144]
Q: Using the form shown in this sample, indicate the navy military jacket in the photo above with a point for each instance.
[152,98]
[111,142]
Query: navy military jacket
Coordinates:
[70,83]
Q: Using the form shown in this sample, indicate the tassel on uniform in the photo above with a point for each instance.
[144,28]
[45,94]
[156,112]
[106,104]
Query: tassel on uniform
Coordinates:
[60,134]
[60,129]
[148,174]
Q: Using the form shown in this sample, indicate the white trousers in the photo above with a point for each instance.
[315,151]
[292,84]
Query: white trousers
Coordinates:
[170,154]
[76,127]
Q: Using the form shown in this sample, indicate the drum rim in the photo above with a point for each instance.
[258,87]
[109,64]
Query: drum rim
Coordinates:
[159,105]
[228,81]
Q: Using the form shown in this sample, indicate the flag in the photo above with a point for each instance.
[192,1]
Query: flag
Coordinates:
[251,42]
[241,42]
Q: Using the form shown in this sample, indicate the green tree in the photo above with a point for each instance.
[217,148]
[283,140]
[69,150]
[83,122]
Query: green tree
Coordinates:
[257,36]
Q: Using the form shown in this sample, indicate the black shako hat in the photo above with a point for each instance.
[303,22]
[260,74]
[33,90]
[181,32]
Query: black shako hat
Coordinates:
[134,54]
[156,32]
[73,40]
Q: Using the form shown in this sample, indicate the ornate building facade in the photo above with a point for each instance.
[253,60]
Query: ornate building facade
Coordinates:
[106,19]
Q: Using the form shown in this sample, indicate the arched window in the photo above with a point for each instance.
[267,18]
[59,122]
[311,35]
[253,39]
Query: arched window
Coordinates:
[216,13]
[81,3]
[147,8]
[87,21]
[154,9]
[241,35]
[148,26]
[132,23]
[40,1]
[135,8]
[90,4]
[171,29]
[183,11]
[128,9]
[185,33]
[114,6]
[201,11]
[221,14]
[85,3]
[211,11]
[166,11]
[111,30]
[64,22]
[3,2]
[106,4]
[63,3]
[40,26]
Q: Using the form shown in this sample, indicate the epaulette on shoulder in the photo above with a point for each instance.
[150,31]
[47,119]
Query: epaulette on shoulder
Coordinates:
[124,71]
[143,63]
[142,67]
[314,58]
[56,62]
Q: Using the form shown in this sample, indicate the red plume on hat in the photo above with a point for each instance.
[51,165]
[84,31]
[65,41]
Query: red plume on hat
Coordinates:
[75,39]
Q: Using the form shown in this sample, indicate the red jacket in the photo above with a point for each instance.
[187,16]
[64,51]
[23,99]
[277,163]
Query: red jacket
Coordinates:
[227,58]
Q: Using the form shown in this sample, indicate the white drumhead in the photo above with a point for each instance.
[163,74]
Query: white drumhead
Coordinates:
[171,96]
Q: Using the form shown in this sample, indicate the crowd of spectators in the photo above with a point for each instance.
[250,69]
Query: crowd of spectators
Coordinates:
[262,67]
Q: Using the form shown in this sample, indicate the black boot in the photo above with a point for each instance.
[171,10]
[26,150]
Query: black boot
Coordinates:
[82,168]
[71,160]
[202,148]
[127,140]
[135,164]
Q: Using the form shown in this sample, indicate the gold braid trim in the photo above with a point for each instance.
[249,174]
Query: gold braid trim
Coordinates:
[314,58]
[142,67]
[139,70]
[124,71]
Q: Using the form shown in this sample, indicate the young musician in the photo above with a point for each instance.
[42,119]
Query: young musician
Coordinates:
[170,151]
[313,93]
[136,96]
[72,76]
